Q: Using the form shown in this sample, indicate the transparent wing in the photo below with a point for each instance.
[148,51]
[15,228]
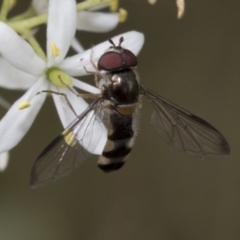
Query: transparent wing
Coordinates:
[185,131]
[66,152]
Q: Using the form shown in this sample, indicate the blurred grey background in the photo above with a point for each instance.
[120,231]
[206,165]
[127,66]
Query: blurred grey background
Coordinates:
[160,193]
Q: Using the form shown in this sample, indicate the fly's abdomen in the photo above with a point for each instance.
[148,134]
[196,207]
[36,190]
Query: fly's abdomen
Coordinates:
[119,144]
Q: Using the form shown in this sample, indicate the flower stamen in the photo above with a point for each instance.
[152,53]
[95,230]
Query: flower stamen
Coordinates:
[12,3]
[24,104]
[113,6]
[123,14]
[55,49]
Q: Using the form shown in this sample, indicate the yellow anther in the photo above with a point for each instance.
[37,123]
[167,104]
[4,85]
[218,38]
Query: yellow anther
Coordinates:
[113,6]
[12,3]
[180,7]
[55,50]
[24,104]
[69,138]
[123,14]
[152,1]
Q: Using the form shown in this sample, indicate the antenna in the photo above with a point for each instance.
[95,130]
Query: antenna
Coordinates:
[121,39]
[111,41]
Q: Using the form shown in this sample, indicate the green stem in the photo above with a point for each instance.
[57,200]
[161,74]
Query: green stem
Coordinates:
[4,10]
[23,24]
[30,23]
[34,43]
[91,4]
[27,14]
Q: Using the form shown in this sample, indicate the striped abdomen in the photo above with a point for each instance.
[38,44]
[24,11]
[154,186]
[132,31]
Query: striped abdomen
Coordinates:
[121,134]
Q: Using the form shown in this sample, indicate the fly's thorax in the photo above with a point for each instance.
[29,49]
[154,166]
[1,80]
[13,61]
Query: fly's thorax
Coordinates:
[122,87]
[120,90]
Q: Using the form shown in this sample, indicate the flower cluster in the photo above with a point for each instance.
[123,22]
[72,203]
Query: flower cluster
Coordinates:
[24,65]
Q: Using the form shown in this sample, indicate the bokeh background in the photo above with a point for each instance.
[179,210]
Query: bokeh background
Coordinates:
[160,193]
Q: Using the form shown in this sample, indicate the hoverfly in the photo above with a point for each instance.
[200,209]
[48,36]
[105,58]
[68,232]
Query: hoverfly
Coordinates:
[118,106]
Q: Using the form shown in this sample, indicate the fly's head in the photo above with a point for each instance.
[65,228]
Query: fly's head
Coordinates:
[117,58]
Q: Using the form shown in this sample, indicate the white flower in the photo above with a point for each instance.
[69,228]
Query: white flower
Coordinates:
[13,78]
[60,32]
[4,157]
[180,7]
[90,21]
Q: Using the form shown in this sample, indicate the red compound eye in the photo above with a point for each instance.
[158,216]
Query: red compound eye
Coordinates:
[112,61]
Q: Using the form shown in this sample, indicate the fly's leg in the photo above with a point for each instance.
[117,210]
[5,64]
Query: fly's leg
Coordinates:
[82,95]
[96,72]
[61,94]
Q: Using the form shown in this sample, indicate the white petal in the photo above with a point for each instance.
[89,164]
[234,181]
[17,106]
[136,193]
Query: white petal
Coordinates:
[78,66]
[12,78]
[18,52]
[96,21]
[4,157]
[77,46]
[40,85]
[74,65]
[85,86]
[61,28]
[67,116]
[15,124]
[40,6]
[65,113]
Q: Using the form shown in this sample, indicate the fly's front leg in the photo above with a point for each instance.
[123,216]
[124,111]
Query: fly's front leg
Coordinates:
[98,75]
[82,95]
[96,79]
[85,95]
[61,94]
